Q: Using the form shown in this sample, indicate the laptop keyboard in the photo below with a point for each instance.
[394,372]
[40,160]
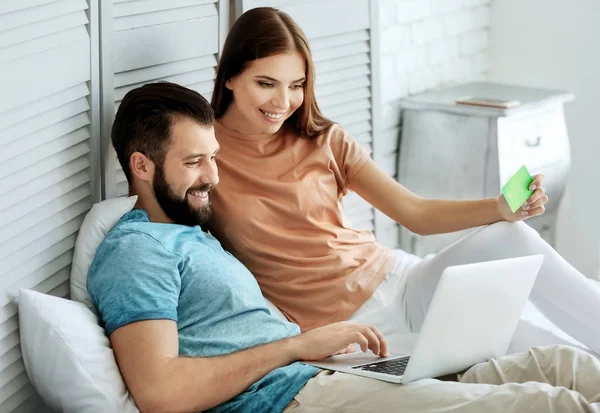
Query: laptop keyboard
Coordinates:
[395,367]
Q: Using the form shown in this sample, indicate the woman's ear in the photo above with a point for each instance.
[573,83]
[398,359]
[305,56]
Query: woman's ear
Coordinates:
[228,84]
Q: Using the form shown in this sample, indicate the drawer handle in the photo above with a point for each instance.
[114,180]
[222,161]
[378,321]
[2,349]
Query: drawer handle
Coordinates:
[533,144]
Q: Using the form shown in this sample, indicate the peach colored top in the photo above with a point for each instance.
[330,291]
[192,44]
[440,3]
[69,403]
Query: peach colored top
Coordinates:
[278,209]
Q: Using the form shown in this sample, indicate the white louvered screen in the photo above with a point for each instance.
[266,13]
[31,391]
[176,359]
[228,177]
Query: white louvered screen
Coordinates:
[340,36]
[48,178]
[152,40]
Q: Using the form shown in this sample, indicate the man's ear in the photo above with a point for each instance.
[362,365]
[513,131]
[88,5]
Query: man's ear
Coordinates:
[141,167]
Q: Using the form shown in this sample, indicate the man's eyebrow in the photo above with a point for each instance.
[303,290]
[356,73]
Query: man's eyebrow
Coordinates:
[200,155]
[275,80]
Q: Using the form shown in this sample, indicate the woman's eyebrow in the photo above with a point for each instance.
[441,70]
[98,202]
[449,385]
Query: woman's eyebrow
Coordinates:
[275,80]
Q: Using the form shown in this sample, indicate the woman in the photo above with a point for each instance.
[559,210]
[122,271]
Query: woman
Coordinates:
[284,169]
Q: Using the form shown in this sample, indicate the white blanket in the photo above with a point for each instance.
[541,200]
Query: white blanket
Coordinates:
[535,329]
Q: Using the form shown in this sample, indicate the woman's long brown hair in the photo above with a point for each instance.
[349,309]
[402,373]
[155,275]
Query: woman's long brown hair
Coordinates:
[264,32]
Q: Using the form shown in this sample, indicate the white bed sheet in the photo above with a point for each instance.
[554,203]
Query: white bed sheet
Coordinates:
[534,329]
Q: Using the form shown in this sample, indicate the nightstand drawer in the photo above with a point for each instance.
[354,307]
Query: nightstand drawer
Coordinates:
[535,141]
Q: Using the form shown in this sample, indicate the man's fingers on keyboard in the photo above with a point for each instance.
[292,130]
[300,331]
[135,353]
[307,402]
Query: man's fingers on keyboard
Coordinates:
[373,340]
[362,341]
[382,343]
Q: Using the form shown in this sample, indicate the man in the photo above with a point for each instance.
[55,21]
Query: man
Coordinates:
[192,332]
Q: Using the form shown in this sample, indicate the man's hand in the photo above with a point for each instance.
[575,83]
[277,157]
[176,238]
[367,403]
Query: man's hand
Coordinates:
[335,338]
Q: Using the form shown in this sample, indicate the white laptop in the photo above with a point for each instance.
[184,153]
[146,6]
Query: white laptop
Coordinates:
[472,317]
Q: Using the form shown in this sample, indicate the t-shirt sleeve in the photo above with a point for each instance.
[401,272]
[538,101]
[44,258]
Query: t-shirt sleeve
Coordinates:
[350,155]
[134,278]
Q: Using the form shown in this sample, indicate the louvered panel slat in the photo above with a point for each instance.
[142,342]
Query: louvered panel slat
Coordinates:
[122,189]
[358,128]
[354,201]
[341,63]
[71,127]
[13,387]
[388,163]
[29,15]
[345,97]
[33,31]
[364,137]
[45,181]
[352,49]
[46,104]
[332,16]
[42,43]
[8,373]
[9,342]
[162,71]
[22,401]
[390,236]
[390,138]
[25,85]
[354,107]
[8,6]
[320,43]
[39,259]
[31,213]
[165,16]
[50,284]
[352,118]
[204,75]
[120,175]
[343,86]
[279,3]
[42,165]
[46,176]
[43,151]
[6,328]
[135,7]
[44,120]
[38,280]
[31,405]
[60,226]
[136,49]
[32,282]
[122,184]
[362,222]
[62,291]
[204,88]
[342,74]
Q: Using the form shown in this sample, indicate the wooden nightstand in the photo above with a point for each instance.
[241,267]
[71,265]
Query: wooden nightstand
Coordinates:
[457,151]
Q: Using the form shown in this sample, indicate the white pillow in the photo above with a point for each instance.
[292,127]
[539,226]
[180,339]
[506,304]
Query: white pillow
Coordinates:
[68,357]
[97,223]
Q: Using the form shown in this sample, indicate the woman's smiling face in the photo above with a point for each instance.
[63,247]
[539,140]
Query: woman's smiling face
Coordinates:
[266,93]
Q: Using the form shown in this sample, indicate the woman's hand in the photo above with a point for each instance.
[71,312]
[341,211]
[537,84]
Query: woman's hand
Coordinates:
[532,207]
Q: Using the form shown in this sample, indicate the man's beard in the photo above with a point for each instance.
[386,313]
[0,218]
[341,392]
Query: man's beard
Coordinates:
[180,210]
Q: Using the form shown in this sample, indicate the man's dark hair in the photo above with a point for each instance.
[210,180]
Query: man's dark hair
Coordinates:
[145,116]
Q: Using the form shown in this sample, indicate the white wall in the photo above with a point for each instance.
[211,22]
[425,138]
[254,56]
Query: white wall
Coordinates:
[427,44]
[554,44]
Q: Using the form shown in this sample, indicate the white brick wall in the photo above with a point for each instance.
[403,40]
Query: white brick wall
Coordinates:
[430,43]
[426,44]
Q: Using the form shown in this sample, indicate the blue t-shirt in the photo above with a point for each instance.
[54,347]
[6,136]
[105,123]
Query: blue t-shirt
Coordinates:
[145,271]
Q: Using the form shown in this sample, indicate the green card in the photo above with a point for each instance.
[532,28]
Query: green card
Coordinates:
[516,190]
